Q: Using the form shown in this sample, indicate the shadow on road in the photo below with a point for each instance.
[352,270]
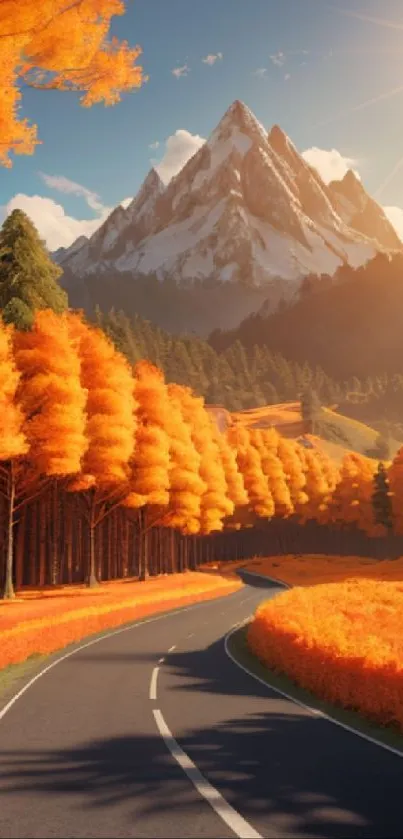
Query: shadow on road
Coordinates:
[287,772]
[268,768]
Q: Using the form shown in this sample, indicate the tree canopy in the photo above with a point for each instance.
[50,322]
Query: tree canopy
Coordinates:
[59,45]
[28,277]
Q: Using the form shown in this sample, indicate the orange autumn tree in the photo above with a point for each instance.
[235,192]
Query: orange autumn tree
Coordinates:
[110,428]
[249,462]
[316,485]
[287,451]
[234,479]
[266,440]
[59,45]
[352,498]
[215,502]
[52,402]
[187,487]
[13,444]
[331,474]
[149,481]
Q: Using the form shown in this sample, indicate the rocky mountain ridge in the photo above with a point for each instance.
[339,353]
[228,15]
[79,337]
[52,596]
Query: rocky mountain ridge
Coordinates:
[246,209]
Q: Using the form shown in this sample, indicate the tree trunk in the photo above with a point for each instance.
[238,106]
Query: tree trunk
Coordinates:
[68,535]
[55,564]
[20,549]
[8,593]
[42,506]
[92,578]
[172,550]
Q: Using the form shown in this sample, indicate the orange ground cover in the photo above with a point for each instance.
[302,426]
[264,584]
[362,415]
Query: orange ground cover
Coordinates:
[313,569]
[341,640]
[48,620]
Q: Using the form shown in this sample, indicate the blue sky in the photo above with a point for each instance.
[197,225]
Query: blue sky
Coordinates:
[331,74]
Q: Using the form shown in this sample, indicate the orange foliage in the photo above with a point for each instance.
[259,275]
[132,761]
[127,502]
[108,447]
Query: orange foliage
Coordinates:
[51,395]
[13,442]
[287,451]
[233,477]
[309,570]
[110,407]
[319,484]
[342,641]
[250,464]
[266,442]
[149,479]
[50,623]
[215,503]
[352,498]
[62,45]
[186,484]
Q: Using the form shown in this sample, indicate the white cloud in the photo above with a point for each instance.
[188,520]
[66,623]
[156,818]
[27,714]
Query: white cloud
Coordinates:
[330,163]
[287,77]
[154,146]
[181,71]
[261,72]
[54,225]
[278,59]
[62,184]
[395,216]
[332,166]
[212,58]
[179,148]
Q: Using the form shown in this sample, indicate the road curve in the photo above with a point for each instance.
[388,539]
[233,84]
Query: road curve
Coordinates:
[83,754]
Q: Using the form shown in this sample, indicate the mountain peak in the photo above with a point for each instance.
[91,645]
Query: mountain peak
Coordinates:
[351,178]
[238,117]
[278,139]
[245,209]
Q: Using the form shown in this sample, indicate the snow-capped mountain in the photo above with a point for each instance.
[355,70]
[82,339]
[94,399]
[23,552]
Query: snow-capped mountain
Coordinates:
[246,207]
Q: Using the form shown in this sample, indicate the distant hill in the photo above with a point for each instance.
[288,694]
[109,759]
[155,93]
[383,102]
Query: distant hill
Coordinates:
[350,326]
[336,434]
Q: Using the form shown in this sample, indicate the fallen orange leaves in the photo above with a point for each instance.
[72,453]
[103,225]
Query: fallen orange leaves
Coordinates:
[342,641]
[46,621]
[313,569]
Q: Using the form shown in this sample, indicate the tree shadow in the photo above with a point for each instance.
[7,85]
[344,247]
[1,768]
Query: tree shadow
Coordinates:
[269,767]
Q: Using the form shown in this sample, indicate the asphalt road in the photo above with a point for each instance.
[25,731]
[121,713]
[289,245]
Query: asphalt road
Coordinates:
[83,754]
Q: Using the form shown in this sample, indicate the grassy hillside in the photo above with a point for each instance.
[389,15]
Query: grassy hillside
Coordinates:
[336,434]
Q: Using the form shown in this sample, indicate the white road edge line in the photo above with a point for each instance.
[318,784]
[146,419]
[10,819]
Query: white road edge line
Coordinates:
[134,625]
[313,711]
[153,684]
[236,822]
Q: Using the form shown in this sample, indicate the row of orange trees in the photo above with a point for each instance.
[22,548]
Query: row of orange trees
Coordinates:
[73,412]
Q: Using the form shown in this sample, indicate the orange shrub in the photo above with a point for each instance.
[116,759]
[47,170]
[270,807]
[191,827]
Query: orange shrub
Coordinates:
[342,641]
[44,626]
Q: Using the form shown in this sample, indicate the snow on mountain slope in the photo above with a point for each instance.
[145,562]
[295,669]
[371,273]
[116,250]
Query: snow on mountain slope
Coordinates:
[361,212]
[136,221]
[245,207]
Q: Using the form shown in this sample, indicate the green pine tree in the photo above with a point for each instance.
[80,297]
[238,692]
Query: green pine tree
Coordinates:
[310,409]
[381,499]
[28,277]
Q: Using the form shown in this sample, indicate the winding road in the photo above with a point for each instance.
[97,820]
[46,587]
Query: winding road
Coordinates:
[155,732]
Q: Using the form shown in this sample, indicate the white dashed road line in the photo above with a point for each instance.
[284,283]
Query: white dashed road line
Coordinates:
[236,822]
[153,684]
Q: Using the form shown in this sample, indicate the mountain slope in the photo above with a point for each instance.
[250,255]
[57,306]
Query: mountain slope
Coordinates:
[245,210]
[351,327]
